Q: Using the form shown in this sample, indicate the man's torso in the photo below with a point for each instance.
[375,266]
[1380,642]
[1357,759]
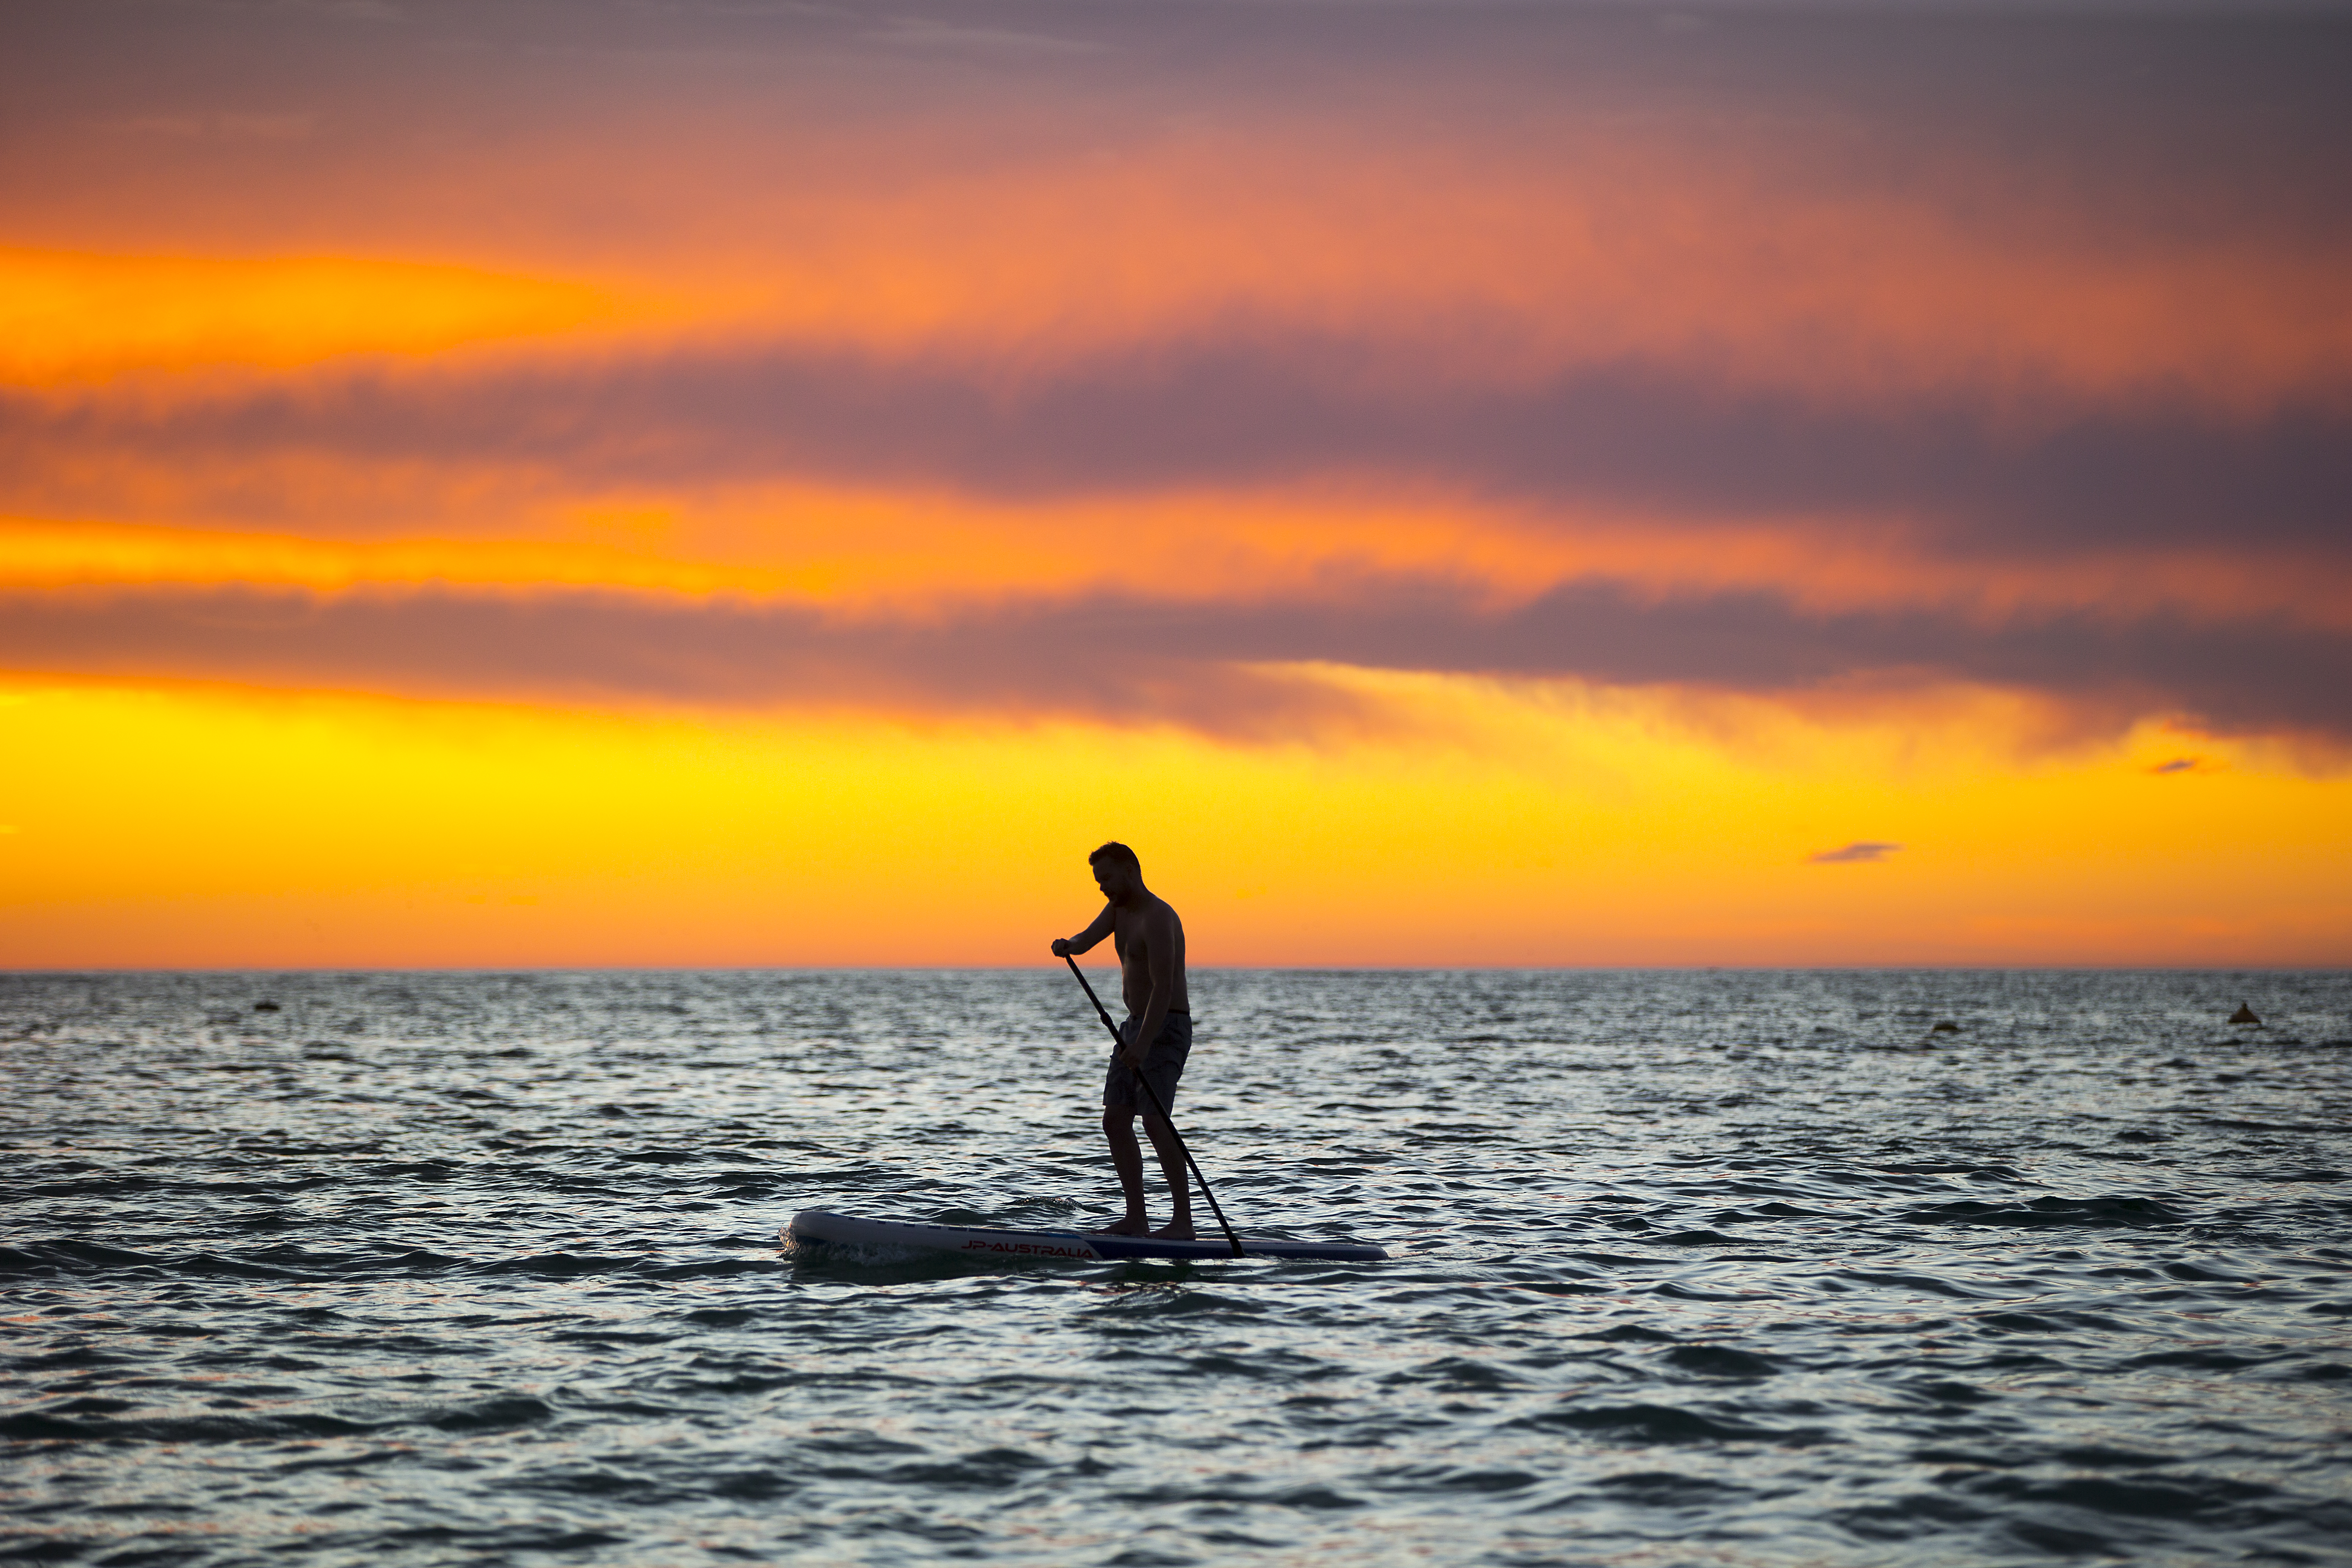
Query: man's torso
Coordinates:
[1130,934]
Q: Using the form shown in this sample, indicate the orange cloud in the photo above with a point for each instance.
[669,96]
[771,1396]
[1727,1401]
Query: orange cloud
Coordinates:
[917,554]
[1496,253]
[74,316]
[1486,257]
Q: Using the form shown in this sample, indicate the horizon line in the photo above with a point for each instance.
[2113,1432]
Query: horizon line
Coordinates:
[9,972]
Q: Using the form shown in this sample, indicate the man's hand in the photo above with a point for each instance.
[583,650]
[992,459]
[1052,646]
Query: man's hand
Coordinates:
[1135,1056]
[1061,947]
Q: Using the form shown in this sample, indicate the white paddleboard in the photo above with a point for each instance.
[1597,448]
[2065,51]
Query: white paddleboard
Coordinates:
[820,1227]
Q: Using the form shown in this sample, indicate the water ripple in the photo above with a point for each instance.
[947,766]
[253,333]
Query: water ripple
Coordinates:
[1722,1268]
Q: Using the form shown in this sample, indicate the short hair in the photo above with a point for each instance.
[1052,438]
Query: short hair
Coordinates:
[1115,850]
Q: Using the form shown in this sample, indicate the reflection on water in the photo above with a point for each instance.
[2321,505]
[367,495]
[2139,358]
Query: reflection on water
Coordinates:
[1691,1267]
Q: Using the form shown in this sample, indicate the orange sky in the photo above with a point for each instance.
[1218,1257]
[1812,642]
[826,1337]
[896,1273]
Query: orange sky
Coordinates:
[1450,487]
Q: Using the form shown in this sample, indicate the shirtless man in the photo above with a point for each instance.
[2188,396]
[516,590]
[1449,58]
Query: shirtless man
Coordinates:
[1157,1036]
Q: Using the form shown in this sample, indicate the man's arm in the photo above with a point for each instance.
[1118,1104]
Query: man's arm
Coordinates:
[1063,946]
[1159,963]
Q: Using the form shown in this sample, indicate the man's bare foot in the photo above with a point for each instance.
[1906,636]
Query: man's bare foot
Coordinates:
[1126,1226]
[1175,1230]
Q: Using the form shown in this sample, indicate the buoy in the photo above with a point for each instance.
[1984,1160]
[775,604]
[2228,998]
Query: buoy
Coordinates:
[1946,1028]
[265,1006]
[2244,1014]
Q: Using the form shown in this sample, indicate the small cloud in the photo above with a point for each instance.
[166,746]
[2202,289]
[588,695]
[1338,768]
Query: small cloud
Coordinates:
[1859,851]
[2185,765]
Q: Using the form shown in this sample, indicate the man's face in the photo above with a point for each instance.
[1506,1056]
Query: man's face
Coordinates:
[1115,878]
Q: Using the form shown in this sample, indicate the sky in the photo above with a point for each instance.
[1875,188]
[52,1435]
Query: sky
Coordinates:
[619,482]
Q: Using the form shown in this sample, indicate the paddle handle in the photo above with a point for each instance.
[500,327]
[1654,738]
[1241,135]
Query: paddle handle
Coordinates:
[1118,1043]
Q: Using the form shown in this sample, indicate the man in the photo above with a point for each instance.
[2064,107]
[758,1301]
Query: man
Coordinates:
[1155,1039]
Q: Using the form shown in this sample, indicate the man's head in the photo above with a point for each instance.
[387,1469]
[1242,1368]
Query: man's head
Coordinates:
[1116,871]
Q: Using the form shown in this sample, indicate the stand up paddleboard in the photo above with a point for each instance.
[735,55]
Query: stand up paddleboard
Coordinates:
[816,1227]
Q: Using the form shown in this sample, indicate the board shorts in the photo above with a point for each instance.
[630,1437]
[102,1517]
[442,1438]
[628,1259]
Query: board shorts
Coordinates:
[1162,1066]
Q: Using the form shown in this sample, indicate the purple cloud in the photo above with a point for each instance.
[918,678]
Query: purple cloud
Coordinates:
[1267,405]
[1862,851]
[1126,658]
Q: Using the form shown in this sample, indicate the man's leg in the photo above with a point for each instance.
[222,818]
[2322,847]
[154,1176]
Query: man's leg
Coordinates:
[1127,1159]
[1171,1165]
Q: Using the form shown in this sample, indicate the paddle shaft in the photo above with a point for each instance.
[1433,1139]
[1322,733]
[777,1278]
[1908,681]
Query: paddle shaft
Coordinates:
[1119,1044]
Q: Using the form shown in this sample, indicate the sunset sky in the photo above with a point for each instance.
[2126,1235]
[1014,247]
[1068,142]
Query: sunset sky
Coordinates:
[535,483]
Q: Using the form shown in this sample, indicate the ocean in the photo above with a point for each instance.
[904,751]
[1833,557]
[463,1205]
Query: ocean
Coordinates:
[1723,1267]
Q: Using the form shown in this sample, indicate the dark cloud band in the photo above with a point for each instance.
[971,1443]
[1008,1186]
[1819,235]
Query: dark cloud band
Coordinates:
[1259,410]
[1132,660]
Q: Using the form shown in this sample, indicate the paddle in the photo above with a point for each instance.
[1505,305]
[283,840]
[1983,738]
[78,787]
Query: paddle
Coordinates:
[1118,1043]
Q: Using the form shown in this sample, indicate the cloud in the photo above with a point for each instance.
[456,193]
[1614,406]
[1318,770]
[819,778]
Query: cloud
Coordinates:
[1862,851]
[1258,409]
[1127,658]
[1262,410]
[605,647]
[2024,289]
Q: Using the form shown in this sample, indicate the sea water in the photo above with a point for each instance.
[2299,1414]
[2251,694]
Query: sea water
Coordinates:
[1724,1267]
